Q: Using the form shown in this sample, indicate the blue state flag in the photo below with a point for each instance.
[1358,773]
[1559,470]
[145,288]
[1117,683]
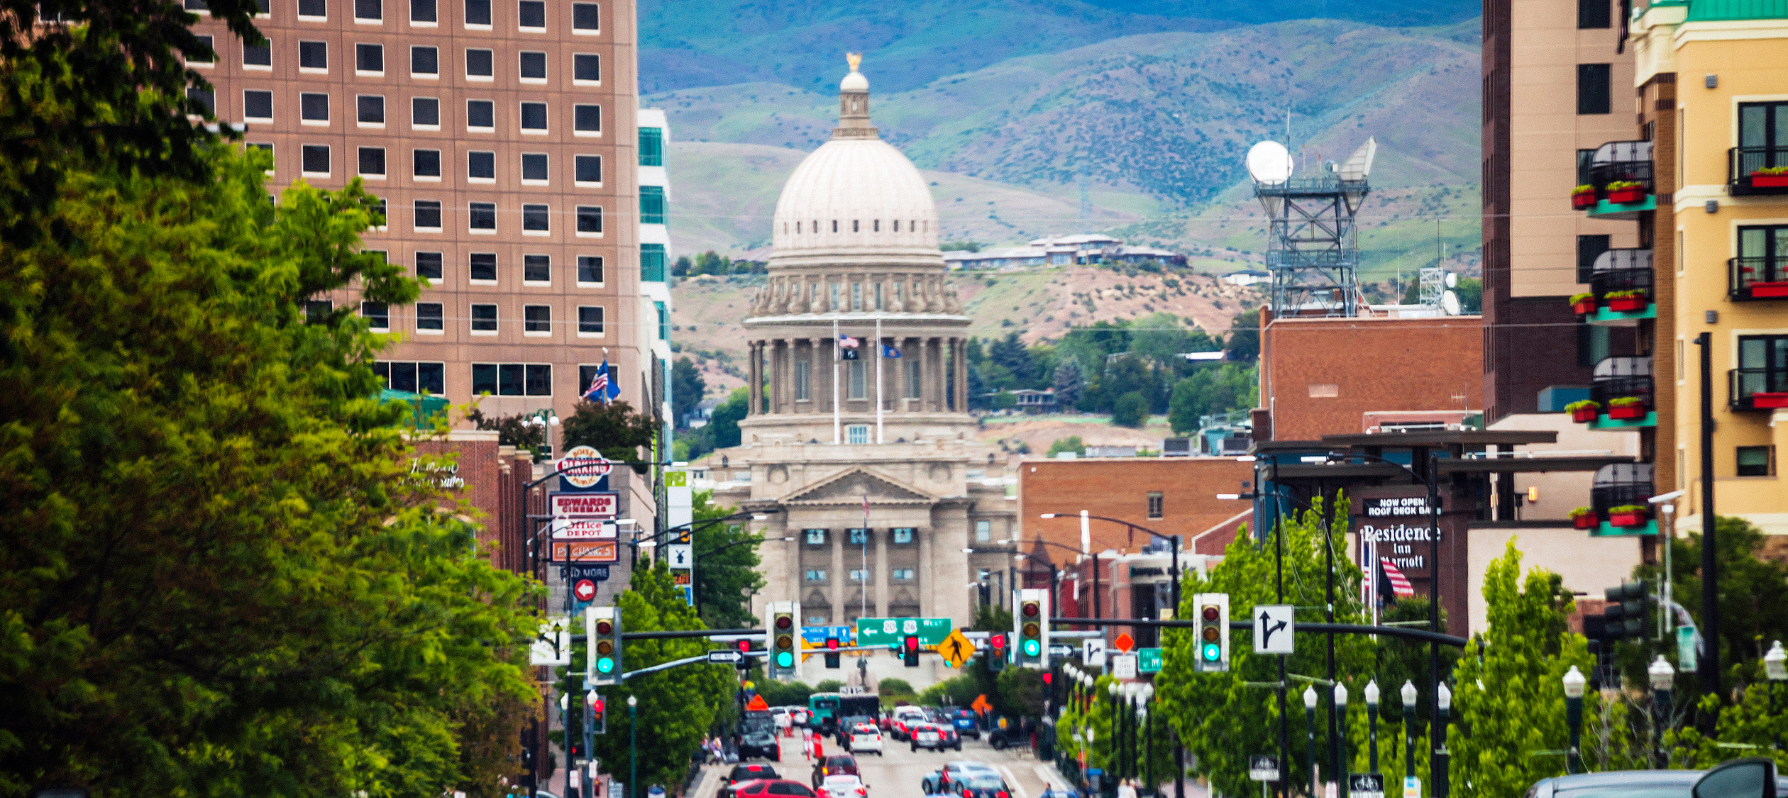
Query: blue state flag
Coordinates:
[889,351]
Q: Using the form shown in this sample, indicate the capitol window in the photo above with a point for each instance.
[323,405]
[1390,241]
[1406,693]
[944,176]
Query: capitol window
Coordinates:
[856,434]
[903,574]
[856,226]
[859,536]
[803,382]
[858,383]
[903,534]
[816,575]
[877,225]
[816,537]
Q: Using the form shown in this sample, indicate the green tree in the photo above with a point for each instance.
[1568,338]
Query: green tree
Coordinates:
[892,687]
[612,429]
[1471,294]
[511,430]
[726,418]
[1753,602]
[726,567]
[1066,383]
[1160,337]
[218,578]
[1072,443]
[677,705]
[1131,410]
[1020,693]
[688,389]
[1507,689]
[1211,391]
[1244,338]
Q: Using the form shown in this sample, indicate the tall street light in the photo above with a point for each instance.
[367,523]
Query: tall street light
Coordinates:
[1443,704]
[1093,555]
[1775,666]
[1573,687]
[1341,766]
[1372,725]
[633,746]
[1663,678]
[1310,726]
[1409,729]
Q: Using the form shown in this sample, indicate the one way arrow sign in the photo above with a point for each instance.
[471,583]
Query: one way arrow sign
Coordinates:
[1274,628]
[726,656]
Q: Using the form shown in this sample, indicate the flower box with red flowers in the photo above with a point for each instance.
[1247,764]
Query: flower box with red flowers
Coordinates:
[1770,177]
[1769,399]
[1626,412]
[1584,411]
[1583,304]
[1583,200]
[1628,304]
[1627,516]
[1623,192]
[1584,518]
[1769,290]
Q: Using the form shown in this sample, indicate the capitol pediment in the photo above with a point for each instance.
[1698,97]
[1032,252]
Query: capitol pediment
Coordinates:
[850,486]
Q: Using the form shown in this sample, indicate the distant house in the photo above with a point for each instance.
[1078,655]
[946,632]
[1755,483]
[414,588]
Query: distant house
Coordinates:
[1247,277]
[1034,401]
[1080,249]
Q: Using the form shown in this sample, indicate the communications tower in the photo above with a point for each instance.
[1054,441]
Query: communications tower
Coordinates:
[1312,248]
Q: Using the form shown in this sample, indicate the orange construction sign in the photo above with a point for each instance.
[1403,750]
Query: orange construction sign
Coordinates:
[981,704]
[757,704]
[1124,642]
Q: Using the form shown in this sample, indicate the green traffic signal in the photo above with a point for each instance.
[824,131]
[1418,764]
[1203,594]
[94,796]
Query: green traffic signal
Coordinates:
[605,665]
[785,659]
[1032,648]
[1212,651]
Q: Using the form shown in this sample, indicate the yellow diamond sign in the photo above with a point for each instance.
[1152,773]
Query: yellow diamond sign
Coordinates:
[956,649]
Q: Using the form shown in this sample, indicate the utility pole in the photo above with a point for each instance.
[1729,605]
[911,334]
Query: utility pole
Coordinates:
[1709,664]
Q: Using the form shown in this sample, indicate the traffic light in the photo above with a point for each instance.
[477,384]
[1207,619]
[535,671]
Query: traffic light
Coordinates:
[602,631]
[910,648]
[598,713]
[1629,606]
[832,652]
[1033,628]
[785,641]
[1213,632]
[996,651]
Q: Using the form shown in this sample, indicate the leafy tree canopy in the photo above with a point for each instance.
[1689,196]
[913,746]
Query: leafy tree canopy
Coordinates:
[612,429]
[728,573]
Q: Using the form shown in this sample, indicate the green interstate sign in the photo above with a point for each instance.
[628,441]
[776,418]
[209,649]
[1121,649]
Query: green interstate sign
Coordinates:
[1148,660]
[890,631]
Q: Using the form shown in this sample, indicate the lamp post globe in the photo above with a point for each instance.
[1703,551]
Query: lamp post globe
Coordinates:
[1372,725]
[1341,695]
[1573,690]
[1372,695]
[1775,663]
[1409,694]
[1310,698]
[1661,674]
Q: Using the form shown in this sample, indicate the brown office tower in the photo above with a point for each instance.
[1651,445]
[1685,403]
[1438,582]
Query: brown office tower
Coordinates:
[504,137]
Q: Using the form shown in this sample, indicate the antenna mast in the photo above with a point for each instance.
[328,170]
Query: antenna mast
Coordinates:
[1312,247]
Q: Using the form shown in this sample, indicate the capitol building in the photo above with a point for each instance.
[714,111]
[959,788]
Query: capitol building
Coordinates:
[859,443]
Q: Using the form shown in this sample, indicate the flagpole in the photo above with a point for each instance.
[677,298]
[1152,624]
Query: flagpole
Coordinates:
[864,613]
[878,391]
[837,421]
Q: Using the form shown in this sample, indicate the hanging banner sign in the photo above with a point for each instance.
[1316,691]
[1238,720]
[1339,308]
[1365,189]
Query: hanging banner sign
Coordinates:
[586,551]
[594,505]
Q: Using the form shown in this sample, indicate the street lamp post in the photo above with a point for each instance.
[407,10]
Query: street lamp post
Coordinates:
[1775,666]
[1409,730]
[1173,541]
[1116,760]
[1148,738]
[1573,687]
[1372,725]
[1093,555]
[1310,727]
[633,746]
[1341,766]
[1443,705]
[1663,678]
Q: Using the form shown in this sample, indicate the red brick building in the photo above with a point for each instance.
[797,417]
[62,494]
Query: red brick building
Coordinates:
[1321,376]
[489,477]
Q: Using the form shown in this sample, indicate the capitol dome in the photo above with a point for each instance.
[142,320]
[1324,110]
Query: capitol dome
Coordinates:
[855,196]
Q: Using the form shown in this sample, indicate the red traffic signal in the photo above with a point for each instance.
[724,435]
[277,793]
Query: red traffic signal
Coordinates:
[604,627]
[912,643]
[1048,677]
[783,622]
[744,646]
[997,640]
[832,644]
[1030,609]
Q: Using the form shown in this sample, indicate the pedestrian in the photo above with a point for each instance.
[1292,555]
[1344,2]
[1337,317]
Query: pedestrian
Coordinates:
[1126,789]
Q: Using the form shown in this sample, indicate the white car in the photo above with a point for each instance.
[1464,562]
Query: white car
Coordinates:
[865,737]
[843,786]
[903,718]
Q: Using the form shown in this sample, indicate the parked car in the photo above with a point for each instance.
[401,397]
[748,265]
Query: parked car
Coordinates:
[964,721]
[743,773]
[759,744]
[1011,735]
[940,780]
[773,788]
[834,765]
[865,737]
[844,786]
[1629,784]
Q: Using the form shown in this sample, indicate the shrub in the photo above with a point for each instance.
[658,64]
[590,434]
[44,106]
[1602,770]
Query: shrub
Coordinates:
[1131,410]
[1582,511]
[1626,401]
[1584,297]
[1583,404]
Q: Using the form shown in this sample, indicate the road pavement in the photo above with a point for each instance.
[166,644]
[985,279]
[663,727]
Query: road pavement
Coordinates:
[898,773]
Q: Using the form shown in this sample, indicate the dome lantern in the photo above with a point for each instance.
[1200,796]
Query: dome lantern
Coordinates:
[853,104]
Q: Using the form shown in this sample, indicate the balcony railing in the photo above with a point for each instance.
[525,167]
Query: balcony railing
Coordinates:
[1620,484]
[1759,388]
[1621,270]
[1743,163]
[1616,377]
[1620,162]
[1762,277]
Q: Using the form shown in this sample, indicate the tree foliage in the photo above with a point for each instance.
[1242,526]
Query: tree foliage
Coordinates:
[612,429]
[1212,391]
[511,430]
[688,389]
[216,577]
[727,574]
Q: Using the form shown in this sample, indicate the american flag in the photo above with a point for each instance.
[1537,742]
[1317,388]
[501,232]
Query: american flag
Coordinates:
[1399,583]
[598,391]
[847,342]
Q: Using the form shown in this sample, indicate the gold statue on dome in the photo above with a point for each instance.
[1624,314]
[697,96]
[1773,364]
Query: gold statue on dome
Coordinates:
[853,59]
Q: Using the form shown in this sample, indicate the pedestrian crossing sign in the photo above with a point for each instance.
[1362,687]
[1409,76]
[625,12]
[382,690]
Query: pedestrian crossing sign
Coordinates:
[956,648]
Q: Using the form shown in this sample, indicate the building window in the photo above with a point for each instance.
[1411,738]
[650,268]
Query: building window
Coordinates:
[484,318]
[533,116]
[512,379]
[481,115]
[589,219]
[257,56]
[1594,88]
[377,315]
[207,101]
[1756,461]
[859,575]
[1762,365]
[803,381]
[537,318]
[370,109]
[858,379]
[316,311]
[1588,249]
[372,161]
[425,164]
[428,214]
[859,536]
[370,10]
[915,382]
[815,537]
[423,11]
[479,63]
[651,205]
[584,18]
[1155,504]
[428,265]
[586,119]
[589,169]
[481,165]
[903,535]
[537,268]
[586,68]
[816,574]
[313,107]
[589,268]
[369,58]
[425,61]
[532,65]
[651,263]
[1593,14]
[589,320]
[482,216]
[316,159]
[425,112]
[856,433]
[482,266]
[531,15]
[536,218]
[412,377]
[651,146]
[664,321]
[478,13]
[429,316]
[313,55]
[257,106]
[313,8]
[983,531]
[901,575]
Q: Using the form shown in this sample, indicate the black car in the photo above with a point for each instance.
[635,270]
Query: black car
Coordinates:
[759,744]
[744,773]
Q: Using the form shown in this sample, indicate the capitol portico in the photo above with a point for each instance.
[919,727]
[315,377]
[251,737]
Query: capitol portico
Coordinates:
[866,452]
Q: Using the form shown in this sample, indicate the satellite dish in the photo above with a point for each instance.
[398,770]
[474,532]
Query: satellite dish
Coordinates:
[1269,162]
[1449,303]
[1452,280]
[1359,164]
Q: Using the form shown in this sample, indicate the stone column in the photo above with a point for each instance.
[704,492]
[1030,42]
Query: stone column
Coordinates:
[840,576]
[922,574]
[962,375]
[778,381]
[882,573]
[753,354]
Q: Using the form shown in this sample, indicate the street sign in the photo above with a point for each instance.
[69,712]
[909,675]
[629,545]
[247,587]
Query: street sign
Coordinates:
[680,555]
[1124,642]
[956,648]
[1274,628]
[1092,652]
[586,551]
[725,656]
[1148,660]
[1365,785]
[1060,650]
[577,527]
[1263,767]
[584,590]
[595,505]
[574,572]
[1123,666]
[818,635]
[552,646]
[889,631]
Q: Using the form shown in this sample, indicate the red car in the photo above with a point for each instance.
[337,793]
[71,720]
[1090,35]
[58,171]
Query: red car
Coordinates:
[741,774]
[780,788]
